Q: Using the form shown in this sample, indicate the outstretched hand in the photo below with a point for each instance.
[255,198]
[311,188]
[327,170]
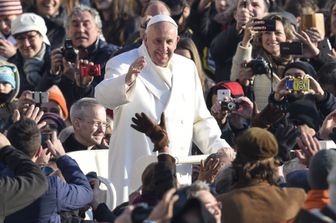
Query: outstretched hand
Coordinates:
[286,135]
[156,132]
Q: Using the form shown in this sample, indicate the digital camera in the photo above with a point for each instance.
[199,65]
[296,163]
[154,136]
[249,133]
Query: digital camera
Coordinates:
[297,84]
[69,52]
[259,66]
[40,97]
[229,106]
[90,70]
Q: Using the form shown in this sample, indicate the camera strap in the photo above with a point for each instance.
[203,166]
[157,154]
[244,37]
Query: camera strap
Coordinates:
[271,73]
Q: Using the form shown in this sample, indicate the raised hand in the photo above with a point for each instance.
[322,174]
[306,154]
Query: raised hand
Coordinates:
[55,146]
[209,170]
[286,135]
[134,70]
[157,133]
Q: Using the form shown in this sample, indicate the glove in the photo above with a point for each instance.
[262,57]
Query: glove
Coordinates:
[157,133]
[269,115]
[286,134]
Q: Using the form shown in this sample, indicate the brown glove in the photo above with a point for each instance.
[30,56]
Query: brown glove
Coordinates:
[157,133]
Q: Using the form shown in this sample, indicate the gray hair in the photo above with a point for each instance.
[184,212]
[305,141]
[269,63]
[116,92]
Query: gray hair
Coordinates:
[78,109]
[80,9]
[197,186]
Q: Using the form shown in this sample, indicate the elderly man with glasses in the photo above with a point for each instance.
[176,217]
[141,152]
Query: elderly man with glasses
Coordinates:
[88,119]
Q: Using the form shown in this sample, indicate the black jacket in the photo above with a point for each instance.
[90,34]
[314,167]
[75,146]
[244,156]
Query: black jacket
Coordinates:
[28,184]
[223,48]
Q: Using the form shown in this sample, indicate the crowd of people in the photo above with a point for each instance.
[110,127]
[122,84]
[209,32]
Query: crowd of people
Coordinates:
[249,83]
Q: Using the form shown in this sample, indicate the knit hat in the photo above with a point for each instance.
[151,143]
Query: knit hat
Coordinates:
[56,95]
[7,75]
[10,7]
[319,168]
[55,118]
[257,144]
[304,111]
[306,67]
[30,22]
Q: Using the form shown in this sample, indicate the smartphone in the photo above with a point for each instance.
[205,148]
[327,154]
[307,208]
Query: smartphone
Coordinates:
[325,46]
[45,136]
[291,48]
[222,94]
[40,97]
[269,24]
[313,20]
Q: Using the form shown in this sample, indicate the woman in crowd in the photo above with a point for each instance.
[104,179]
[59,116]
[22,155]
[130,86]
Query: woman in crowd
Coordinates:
[266,46]
[33,55]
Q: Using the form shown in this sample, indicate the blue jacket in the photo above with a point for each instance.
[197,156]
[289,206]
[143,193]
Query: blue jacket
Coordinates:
[73,194]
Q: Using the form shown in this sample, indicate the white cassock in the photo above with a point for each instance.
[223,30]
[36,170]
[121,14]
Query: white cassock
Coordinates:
[175,90]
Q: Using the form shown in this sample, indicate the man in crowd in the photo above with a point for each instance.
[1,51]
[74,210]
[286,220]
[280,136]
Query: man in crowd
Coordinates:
[152,79]
[83,28]
[72,194]
[26,185]
[88,119]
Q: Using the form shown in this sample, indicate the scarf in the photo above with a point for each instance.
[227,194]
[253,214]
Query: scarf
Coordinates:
[32,67]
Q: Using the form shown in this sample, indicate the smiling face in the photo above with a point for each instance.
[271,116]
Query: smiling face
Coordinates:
[48,8]
[271,40]
[29,43]
[161,40]
[90,129]
[82,30]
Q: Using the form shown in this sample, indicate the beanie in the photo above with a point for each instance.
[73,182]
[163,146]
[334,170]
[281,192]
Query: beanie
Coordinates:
[306,67]
[10,7]
[55,118]
[7,75]
[257,144]
[56,95]
[319,168]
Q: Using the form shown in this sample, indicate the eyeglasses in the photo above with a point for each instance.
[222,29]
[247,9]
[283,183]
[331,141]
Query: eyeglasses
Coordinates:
[96,124]
[30,36]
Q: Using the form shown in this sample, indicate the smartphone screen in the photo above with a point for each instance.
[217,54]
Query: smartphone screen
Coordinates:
[222,94]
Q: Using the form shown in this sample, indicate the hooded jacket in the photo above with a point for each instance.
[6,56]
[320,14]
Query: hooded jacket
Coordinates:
[7,108]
